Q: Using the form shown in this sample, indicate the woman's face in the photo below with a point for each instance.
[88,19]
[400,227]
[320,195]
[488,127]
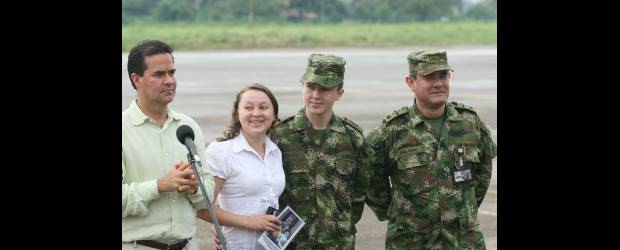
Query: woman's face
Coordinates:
[256,113]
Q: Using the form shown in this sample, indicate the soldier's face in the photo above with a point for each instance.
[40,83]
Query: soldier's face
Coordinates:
[432,89]
[256,113]
[320,100]
[158,83]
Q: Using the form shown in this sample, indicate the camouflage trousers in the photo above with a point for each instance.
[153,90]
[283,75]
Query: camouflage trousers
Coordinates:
[439,236]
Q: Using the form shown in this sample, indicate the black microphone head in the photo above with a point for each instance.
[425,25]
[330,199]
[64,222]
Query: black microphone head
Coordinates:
[183,132]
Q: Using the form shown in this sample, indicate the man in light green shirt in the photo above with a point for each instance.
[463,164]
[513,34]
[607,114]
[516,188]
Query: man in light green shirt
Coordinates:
[160,190]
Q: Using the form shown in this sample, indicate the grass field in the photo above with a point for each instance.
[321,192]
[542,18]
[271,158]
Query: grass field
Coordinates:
[192,36]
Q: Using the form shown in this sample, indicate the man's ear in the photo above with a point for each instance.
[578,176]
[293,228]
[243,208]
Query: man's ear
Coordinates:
[136,79]
[340,93]
[410,82]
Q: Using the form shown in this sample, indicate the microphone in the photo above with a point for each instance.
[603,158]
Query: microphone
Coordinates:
[185,135]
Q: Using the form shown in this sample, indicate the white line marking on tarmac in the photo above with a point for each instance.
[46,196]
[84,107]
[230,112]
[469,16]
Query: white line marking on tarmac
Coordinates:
[487,212]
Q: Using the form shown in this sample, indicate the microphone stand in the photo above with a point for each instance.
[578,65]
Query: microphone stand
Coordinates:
[218,229]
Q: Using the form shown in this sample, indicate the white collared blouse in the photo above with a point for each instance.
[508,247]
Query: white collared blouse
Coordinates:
[251,184]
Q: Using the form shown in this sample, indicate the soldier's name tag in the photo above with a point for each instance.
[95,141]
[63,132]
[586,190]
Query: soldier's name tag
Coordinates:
[462,171]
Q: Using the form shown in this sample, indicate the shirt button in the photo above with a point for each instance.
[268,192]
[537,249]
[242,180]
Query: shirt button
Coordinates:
[173,200]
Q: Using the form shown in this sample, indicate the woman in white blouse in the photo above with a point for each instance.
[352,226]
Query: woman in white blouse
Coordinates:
[247,167]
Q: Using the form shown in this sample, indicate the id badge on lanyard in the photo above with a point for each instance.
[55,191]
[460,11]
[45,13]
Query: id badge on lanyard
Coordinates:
[462,170]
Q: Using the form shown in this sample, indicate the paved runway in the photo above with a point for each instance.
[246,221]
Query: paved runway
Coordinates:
[373,84]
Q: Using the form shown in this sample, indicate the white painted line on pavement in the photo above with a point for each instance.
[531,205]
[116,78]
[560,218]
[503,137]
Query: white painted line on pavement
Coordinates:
[487,212]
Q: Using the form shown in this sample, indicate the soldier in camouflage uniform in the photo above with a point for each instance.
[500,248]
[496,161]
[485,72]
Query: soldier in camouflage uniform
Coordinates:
[326,161]
[437,156]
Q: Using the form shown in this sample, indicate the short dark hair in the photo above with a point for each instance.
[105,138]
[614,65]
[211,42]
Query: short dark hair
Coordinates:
[413,76]
[234,127]
[136,60]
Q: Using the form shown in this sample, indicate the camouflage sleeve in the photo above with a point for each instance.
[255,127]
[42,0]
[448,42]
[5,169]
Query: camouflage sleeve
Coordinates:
[488,151]
[378,196]
[362,179]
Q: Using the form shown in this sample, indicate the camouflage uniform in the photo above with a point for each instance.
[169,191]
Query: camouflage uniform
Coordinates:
[426,208]
[326,172]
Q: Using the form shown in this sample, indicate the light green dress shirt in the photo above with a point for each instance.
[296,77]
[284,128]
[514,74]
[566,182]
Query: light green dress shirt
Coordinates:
[149,152]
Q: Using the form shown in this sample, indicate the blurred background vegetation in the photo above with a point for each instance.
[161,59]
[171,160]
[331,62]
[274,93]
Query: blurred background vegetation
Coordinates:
[213,24]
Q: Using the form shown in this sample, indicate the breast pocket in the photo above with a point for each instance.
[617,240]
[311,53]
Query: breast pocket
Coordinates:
[346,164]
[342,180]
[464,169]
[468,214]
[472,155]
[298,177]
[416,179]
[414,173]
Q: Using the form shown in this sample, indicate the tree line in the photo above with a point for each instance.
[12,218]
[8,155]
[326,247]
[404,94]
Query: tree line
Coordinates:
[315,11]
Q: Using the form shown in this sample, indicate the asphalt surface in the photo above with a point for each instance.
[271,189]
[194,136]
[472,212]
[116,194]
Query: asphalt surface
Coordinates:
[374,86]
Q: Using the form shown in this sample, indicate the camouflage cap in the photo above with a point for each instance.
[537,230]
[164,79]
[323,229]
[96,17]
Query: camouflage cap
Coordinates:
[424,62]
[325,70]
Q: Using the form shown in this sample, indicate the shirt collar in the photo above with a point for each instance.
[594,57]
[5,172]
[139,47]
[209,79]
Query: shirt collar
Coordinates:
[416,116]
[269,145]
[453,115]
[336,124]
[301,122]
[137,117]
[239,143]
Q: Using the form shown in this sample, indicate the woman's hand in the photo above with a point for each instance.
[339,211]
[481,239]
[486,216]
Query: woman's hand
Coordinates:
[262,223]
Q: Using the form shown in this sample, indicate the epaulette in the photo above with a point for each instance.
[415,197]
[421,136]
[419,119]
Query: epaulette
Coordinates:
[352,124]
[486,128]
[287,119]
[463,106]
[396,113]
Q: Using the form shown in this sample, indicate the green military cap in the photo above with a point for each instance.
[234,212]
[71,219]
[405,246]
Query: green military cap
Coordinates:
[424,62]
[325,70]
